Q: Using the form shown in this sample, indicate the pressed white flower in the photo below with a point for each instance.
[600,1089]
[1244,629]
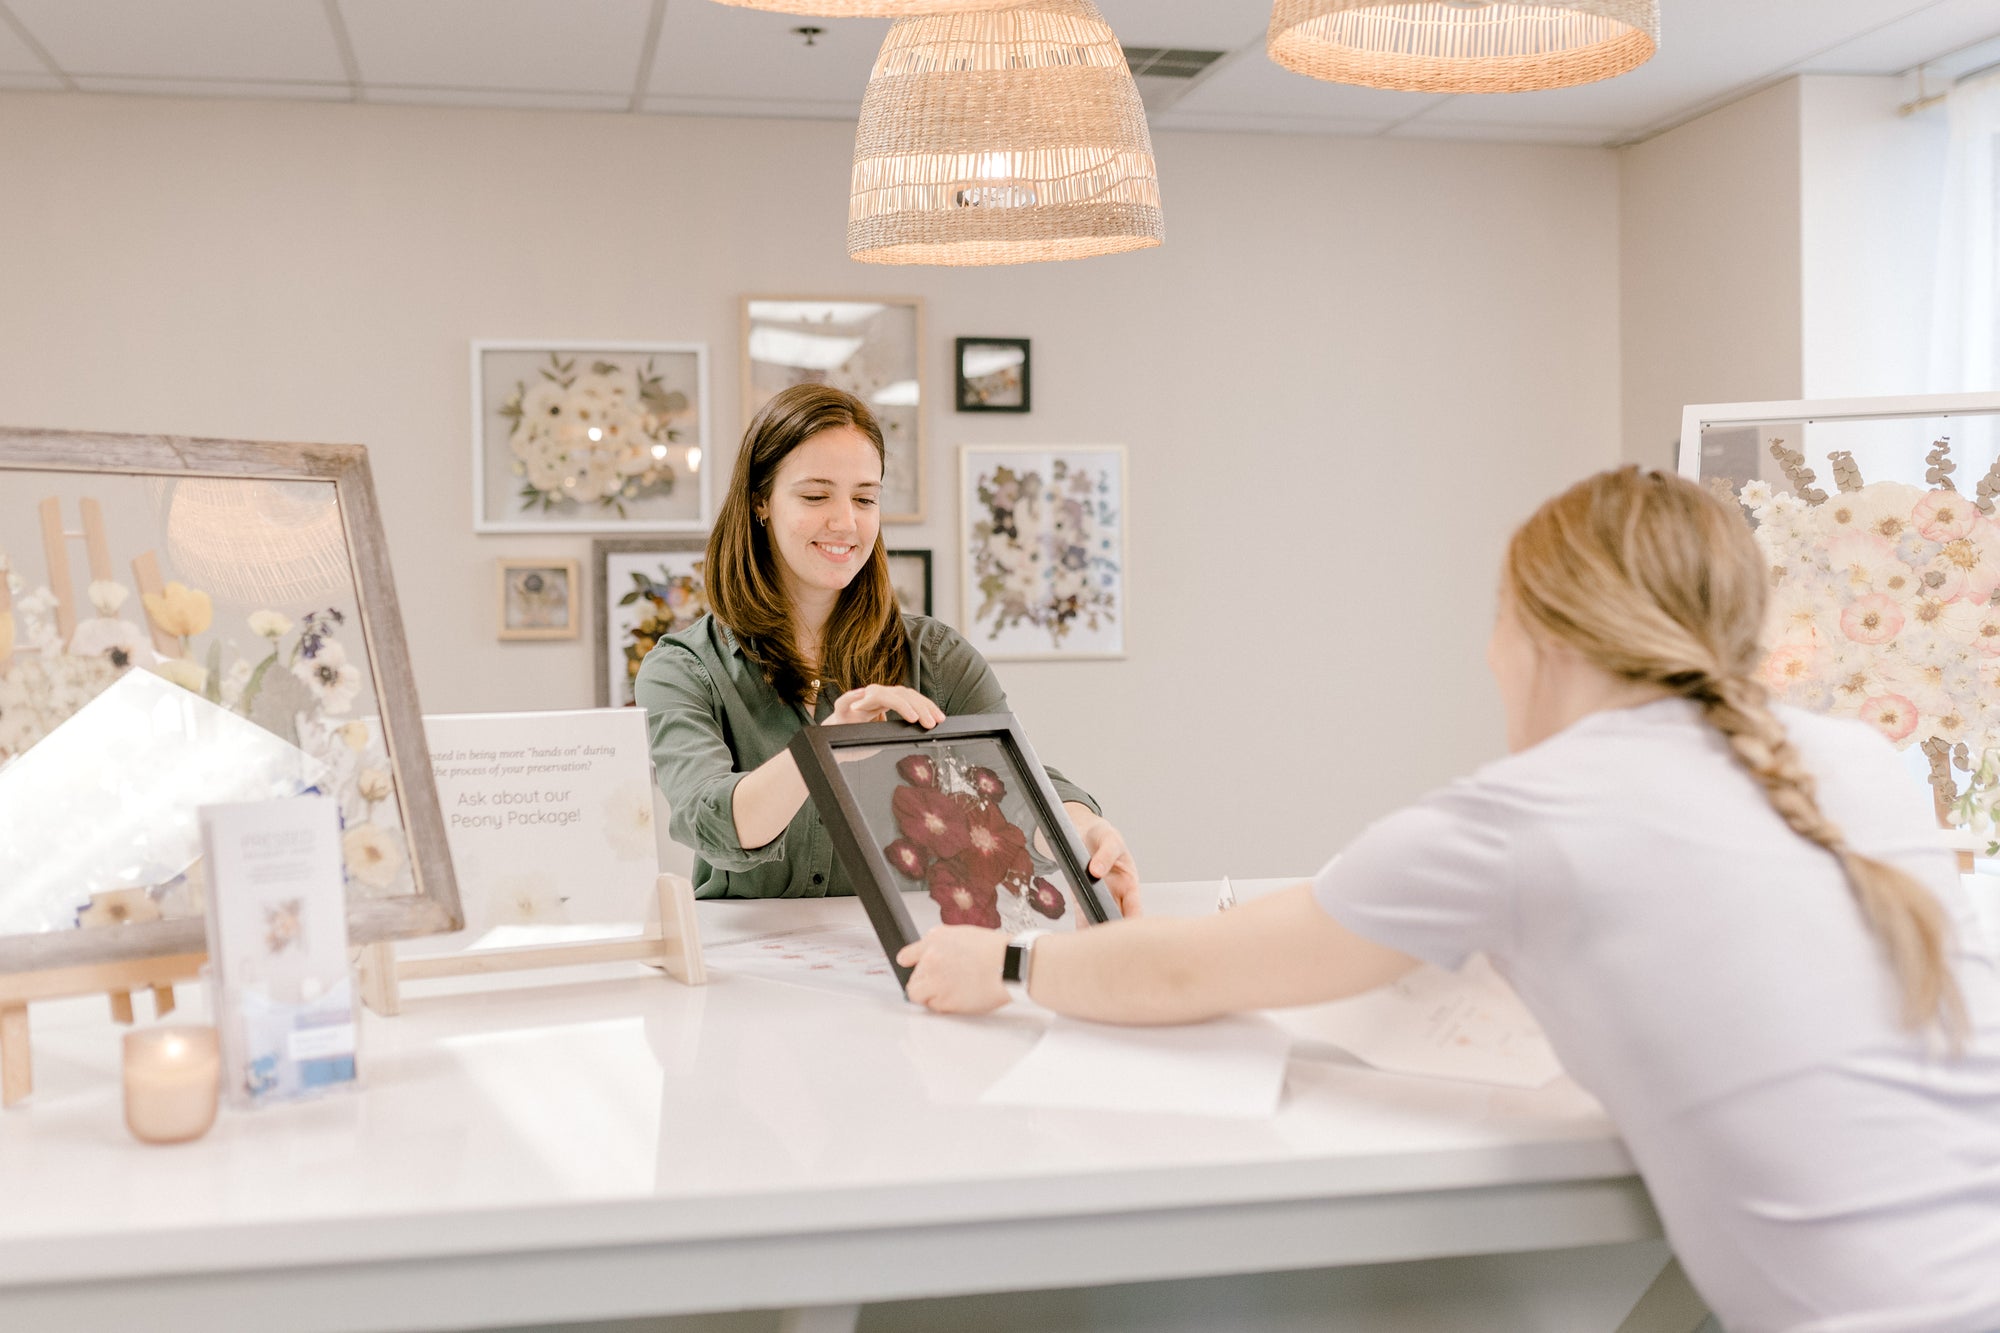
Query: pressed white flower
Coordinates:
[373,785]
[354,735]
[107,596]
[1755,494]
[1883,508]
[234,681]
[333,679]
[119,642]
[374,855]
[271,625]
[628,823]
[527,900]
[543,402]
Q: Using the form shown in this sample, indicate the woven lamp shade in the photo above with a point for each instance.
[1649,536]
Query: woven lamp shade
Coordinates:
[1002,137]
[867,9]
[1464,47]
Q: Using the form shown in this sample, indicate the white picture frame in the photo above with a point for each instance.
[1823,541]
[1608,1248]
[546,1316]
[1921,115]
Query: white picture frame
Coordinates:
[503,368]
[1044,622]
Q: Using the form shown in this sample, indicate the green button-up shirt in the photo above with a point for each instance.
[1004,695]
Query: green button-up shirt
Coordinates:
[713,718]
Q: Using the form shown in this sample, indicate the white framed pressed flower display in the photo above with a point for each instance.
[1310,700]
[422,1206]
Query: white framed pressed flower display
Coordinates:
[870,346]
[590,437]
[1878,521]
[1042,550]
[187,623]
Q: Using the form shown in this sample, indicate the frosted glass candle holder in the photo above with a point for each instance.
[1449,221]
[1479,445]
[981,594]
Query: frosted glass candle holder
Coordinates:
[173,1076]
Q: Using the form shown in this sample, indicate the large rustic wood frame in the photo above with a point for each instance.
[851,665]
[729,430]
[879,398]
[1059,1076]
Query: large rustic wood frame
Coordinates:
[815,748]
[434,907]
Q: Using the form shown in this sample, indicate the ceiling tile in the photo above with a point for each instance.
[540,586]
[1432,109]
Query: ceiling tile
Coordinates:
[1202,25]
[1575,135]
[711,50]
[291,91]
[1251,84]
[1932,32]
[752,106]
[15,55]
[31,83]
[490,97]
[533,45]
[1349,127]
[202,39]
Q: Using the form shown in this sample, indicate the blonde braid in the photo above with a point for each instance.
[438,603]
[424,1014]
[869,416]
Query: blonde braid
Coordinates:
[1654,581]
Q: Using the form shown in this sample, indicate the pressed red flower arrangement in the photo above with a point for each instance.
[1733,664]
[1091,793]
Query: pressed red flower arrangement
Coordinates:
[958,842]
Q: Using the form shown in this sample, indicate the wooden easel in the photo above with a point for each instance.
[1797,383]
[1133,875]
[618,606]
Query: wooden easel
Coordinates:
[675,950]
[120,979]
[145,571]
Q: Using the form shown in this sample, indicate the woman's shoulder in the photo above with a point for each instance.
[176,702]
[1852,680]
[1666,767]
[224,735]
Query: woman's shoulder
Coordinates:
[932,639]
[700,647]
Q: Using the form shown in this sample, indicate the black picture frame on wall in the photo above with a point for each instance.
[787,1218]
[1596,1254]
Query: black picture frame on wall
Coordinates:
[992,375]
[959,824]
[909,570]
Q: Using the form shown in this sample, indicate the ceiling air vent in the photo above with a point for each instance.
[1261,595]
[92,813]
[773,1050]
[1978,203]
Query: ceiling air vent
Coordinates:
[1165,73]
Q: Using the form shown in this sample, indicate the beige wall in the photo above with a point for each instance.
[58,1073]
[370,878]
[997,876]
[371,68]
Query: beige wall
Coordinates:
[1352,368]
[1709,260]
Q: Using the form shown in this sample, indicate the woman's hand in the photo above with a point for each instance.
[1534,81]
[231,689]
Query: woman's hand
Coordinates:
[1110,860]
[956,970]
[874,703]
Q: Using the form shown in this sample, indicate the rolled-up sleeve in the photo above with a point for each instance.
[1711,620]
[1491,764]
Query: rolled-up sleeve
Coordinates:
[692,760]
[964,683]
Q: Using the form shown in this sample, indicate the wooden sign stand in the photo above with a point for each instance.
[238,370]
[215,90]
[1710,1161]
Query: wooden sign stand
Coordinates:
[119,980]
[675,950]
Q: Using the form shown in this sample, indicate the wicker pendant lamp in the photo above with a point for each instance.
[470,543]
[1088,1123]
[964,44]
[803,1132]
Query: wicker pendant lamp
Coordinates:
[1464,46]
[867,9]
[1002,137]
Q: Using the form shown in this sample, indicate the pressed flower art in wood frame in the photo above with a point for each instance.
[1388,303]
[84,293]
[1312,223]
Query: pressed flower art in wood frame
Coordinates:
[1042,553]
[958,825]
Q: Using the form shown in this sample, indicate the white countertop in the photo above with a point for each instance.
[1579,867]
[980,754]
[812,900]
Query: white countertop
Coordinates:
[610,1107]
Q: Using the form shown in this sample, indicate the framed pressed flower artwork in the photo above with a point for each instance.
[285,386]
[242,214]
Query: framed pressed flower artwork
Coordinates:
[187,623]
[1043,552]
[958,825]
[910,575]
[647,588]
[590,437]
[538,599]
[993,375]
[870,346]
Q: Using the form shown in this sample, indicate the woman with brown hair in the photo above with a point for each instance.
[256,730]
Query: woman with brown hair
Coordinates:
[1735,922]
[804,630]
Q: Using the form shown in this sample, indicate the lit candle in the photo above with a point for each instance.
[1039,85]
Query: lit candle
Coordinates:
[172,1077]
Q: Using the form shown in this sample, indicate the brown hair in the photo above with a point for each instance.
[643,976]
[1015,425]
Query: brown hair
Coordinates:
[1655,581]
[864,643]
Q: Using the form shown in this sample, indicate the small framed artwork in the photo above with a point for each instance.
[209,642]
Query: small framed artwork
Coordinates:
[957,825]
[590,437]
[538,599]
[870,346]
[1043,551]
[910,575]
[647,588]
[993,374]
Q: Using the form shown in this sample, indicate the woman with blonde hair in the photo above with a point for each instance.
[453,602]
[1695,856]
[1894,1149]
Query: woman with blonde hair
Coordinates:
[1735,923]
[804,630]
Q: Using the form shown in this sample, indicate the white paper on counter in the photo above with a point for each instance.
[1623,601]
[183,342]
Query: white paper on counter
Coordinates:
[1227,1067]
[848,959]
[1467,1025]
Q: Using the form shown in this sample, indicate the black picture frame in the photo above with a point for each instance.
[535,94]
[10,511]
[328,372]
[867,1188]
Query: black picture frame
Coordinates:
[817,750]
[975,396]
[919,554]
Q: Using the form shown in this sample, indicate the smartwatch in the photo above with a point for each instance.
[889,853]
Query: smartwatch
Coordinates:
[1017,964]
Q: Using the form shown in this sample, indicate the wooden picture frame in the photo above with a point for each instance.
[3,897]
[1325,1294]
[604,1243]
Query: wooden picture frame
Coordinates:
[993,375]
[909,569]
[871,346]
[663,392]
[672,566]
[525,586]
[892,796]
[149,476]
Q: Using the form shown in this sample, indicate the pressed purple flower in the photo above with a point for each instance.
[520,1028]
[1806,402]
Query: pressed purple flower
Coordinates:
[987,783]
[909,858]
[961,903]
[1047,899]
[930,819]
[917,770]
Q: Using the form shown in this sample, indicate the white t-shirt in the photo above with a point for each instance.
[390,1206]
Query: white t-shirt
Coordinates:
[1705,972]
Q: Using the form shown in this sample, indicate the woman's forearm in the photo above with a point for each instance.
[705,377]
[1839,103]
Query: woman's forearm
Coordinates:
[765,800]
[1145,971]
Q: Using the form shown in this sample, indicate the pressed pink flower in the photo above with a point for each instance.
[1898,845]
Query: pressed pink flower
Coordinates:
[1872,619]
[1789,665]
[987,783]
[961,903]
[1047,899]
[1970,564]
[1891,714]
[917,770]
[1944,515]
[909,859]
[930,819]
[995,850]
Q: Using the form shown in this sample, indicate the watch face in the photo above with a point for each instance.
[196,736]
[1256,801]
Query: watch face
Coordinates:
[1010,966]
